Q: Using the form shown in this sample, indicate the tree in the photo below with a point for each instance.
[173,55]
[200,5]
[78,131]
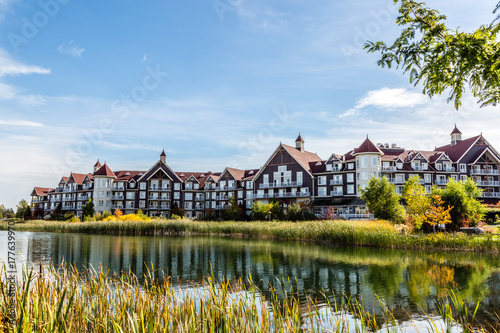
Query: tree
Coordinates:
[176,210]
[437,213]
[88,210]
[23,209]
[417,201]
[260,211]
[381,199]
[441,58]
[234,212]
[463,197]
[277,212]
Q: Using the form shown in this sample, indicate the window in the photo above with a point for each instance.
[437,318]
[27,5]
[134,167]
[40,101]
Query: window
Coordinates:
[350,178]
[132,185]
[322,180]
[373,162]
[177,195]
[265,179]
[363,161]
[142,204]
[299,178]
[108,194]
[188,196]
[249,194]
[189,186]
[364,175]
[463,177]
[142,186]
[439,166]
[101,194]
[329,167]
[196,186]
[399,165]
[463,167]
[230,184]
[249,185]
[350,189]
[103,183]
[130,195]
[108,203]
[428,188]
[177,186]
[350,166]
[282,168]
[142,195]
[188,205]
[425,166]
[427,178]
[322,191]
[101,203]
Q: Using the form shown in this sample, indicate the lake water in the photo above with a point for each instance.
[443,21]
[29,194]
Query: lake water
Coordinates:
[405,280]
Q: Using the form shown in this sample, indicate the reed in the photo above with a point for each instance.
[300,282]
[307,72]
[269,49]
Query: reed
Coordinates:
[68,300]
[356,233]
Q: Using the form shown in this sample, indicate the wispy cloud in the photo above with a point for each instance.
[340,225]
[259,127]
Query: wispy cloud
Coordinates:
[71,50]
[23,123]
[130,146]
[9,66]
[391,98]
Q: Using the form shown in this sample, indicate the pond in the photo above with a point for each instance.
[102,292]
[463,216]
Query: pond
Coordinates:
[407,281]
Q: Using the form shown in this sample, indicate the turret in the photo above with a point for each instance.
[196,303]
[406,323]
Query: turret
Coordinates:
[299,143]
[97,166]
[163,157]
[456,136]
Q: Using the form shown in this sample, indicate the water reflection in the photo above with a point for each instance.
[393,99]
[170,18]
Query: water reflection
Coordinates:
[402,279]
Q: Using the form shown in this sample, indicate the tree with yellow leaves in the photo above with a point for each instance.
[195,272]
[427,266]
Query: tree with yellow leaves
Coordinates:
[437,213]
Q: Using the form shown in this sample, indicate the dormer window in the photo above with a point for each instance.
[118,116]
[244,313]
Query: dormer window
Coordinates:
[439,166]
[399,165]
[329,167]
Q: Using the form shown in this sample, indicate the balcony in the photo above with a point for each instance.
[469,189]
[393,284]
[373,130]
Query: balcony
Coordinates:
[165,198]
[118,197]
[225,188]
[85,188]
[336,193]
[222,198]
[55,200]
[449,169]
[389,168]
[483,172]
[487,183]
[153,206]
[250,196]
[117,206]
[396,180]
[221,207]
[283,195]
[165,188]
[199,207]
[83,198]
[491,195]
[118,188]
[333,169]
[68,199]
[441,181]
[154,188]
[154,198]
[67,190]
[336,182]
[164,206]
[199,198]
[277,185]
[420,168]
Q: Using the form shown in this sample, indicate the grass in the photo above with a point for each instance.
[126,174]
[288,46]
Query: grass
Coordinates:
[61,300]
[381,234]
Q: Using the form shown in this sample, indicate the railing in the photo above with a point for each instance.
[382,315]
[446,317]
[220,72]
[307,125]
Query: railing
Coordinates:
[250,196]
[222,198]
[336,193]
[282,195]
[154,188]
[199,207]
[118,188]
[225,188]
[396,181]
[67,190]
[118,197]
[164,206]
[83,198]
[441,182]
[153,207]
[336,182]
[491,195]
[488,183]
[165,188]
[117,206]
[199,198]
[286,184]
[164,198]
[154,198]
[84,188]
[449,169]
[68,199]
[221,207]
[56,200]
[420,168]
[389,168]
[334,170]
[483,172]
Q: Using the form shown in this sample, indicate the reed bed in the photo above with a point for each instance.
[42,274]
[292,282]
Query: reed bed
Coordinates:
[378,233]
[62,300]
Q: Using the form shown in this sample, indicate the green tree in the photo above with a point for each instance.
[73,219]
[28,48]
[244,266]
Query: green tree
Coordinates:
[88,210]
[23,209]
[277,212]
[381,199]
[463,197]
[234,212]
[260,211]
[417,202]
[442,58]
[176,210]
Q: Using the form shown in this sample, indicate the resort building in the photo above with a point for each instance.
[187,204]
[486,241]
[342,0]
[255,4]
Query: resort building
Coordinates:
[291,175]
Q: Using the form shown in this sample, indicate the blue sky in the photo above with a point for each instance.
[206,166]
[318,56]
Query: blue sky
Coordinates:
[215,82]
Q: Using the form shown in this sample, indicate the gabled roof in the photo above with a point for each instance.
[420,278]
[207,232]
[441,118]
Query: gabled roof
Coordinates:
[302,157]
[127,175]
[367,147]
[77,178]
[104,171]
[250,174]
[41,191]
[457,151]
[481,152]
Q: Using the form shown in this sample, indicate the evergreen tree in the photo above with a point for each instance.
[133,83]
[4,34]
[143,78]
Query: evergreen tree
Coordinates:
[382,200]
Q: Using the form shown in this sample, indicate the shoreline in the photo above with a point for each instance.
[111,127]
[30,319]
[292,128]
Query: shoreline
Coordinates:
[376,234]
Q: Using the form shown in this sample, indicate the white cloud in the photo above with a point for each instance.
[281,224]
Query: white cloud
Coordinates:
[71,50]
[130,146]
[391,98]
[9,66]
[20,123]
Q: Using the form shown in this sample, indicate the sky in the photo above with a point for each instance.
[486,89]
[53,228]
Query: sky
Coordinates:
[215,83]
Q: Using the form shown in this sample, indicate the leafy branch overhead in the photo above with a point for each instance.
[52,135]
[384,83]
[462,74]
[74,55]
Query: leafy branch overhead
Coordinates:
[441,58]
